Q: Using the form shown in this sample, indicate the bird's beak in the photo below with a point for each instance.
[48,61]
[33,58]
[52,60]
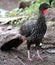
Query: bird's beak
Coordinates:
[48,6]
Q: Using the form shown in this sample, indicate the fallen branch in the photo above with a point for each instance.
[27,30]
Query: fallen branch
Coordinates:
[11,18]
[8,19]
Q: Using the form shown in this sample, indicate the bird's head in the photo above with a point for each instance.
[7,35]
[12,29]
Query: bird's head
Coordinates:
[43,7]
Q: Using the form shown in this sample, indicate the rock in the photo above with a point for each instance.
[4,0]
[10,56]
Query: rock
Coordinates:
[51,51]
[49,37]
[10,27]
[50,14]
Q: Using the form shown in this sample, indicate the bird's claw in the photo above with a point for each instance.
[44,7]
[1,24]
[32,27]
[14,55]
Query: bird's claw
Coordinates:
[40,58]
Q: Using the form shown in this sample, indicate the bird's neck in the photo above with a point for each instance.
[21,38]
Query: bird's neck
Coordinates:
[41,14]
[41,19]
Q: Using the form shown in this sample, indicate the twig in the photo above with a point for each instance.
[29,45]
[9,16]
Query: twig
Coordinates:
[33,55]
[21,61]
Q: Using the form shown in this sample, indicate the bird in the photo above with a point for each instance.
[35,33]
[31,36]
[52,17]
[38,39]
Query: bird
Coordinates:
[31,33]
[38,31]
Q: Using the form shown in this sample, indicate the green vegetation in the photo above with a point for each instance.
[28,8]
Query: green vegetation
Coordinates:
[27,11]
[33,8]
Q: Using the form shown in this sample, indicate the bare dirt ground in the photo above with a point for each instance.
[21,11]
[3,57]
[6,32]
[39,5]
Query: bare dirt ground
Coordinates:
[19,57]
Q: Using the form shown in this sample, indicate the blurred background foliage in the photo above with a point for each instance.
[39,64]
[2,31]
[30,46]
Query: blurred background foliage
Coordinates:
[31,10]
[33,7]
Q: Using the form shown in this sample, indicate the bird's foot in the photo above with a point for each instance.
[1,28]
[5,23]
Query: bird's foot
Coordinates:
[40,58]
[29,59]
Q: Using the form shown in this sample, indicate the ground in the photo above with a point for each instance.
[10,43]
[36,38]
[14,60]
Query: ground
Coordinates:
[19,57]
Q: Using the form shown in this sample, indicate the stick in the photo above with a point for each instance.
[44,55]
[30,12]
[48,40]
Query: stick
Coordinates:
[21,61]
[33,55]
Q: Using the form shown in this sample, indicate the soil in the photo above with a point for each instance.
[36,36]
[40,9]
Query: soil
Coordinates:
[19,57]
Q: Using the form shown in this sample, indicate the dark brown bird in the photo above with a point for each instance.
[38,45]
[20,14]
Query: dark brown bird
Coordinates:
[31,33]
[38,30]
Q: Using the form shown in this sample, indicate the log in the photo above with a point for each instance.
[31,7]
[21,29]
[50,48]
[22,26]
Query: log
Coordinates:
[5,20]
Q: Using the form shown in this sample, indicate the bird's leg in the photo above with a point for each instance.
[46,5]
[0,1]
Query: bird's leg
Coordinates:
[39,56]
[29,57]
[28,52]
